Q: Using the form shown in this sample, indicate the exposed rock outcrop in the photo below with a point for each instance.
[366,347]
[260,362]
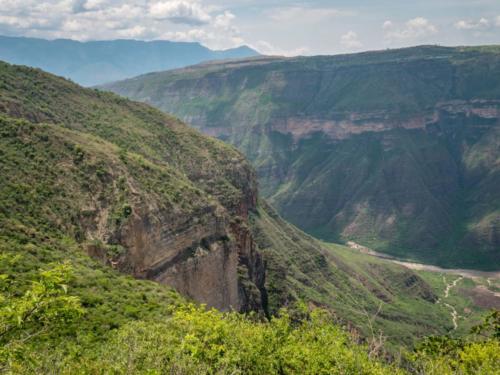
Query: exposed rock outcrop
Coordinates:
[208,255]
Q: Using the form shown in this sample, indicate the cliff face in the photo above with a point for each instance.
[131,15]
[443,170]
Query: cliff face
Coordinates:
[206,255]
[347,125]
[140,190]
[397,150]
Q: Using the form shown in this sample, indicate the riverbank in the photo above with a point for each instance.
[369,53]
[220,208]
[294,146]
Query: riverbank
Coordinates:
[472,274]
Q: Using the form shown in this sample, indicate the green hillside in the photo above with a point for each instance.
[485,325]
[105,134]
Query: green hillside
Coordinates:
[365,292]
[397,150]
[144,192]
[43,331]
[67,177]
[95,187]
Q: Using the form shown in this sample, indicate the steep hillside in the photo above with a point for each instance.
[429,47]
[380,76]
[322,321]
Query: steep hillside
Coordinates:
[398,150]
[97,62]
[62,312]
[86,172]
[139,189]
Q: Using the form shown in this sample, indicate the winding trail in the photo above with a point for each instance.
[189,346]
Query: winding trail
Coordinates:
[454,313]
[450,285]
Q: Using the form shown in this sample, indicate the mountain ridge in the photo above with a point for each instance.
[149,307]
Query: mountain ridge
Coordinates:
[96,62]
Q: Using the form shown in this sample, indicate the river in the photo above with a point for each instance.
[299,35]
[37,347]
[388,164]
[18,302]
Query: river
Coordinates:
[472,274]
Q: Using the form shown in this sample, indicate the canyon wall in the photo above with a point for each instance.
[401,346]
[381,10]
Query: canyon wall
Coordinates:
[397,149]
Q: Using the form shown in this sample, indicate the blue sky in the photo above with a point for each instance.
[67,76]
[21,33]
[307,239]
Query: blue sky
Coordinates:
[273,27]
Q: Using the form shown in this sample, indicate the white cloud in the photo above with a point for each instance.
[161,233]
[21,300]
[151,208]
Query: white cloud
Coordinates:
[180,11]
[482,24]
[220,34]
[72,25]
[211,38]
[28,22]
[387,25]
[133,32]
[350,40]
[267,48]
[186,20]
[225,19]
[94,4]
[497,22]
[415,28]
[304,14]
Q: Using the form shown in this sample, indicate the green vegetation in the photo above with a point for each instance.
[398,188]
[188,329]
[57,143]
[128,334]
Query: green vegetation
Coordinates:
[47,326]
[45,329]
[109,172]
[425,194]
[78,166]
[479,353]
[55,301]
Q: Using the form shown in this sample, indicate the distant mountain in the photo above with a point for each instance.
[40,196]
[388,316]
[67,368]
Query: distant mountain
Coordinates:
[93,63]
[398,150]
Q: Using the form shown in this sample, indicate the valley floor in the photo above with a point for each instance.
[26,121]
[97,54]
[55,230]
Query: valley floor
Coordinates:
[482,288]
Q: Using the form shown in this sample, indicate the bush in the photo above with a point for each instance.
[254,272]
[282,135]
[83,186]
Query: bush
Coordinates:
[478,354]
[195,341]
[42,311]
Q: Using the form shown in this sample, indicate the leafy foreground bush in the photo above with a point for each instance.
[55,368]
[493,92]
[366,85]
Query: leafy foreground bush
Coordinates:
[198,341]
[40,333]
[477,354]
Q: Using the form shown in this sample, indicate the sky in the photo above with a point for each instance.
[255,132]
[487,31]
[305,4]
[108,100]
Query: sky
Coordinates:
[284,27]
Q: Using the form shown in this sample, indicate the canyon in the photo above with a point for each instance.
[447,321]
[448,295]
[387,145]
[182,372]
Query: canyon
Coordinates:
[396,150]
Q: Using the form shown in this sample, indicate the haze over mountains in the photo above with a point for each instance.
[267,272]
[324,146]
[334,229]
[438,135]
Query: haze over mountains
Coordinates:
[97,62]
[398,150]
